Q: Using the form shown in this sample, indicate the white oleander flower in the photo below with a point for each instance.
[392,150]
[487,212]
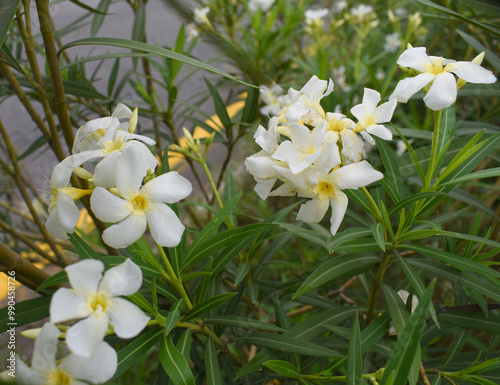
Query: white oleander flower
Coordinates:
[314,18]
[200,16]
[264,5]
[138,206]
[326,190]
[192,32]
[338,124]
[370,116]
[71,370]
[95,301]
[87,136]
[109,148]
[303,148]
[436,74]
[404,295]
[392,42]
[271,99]
[361,10]
[339,6]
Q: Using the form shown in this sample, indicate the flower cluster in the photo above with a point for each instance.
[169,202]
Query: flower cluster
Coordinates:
[321,153]
[123,187]
[94,301]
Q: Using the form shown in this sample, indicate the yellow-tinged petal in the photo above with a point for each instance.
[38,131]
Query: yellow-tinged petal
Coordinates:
[75,193]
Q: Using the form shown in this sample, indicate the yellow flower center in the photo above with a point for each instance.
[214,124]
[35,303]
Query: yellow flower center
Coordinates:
[325,190]
[115,145]
[436,67]
[138,204]
[98,302]
[58,377]
[335,125]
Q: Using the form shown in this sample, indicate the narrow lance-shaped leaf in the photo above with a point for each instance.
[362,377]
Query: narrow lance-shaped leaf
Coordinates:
[284,368]
[354,356]
[212,369]
[174,363]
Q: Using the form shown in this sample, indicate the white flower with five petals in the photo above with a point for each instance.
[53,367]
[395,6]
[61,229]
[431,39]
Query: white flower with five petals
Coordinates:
[438,73]
[370,116]
[71,370]
[96,299]
[138,205]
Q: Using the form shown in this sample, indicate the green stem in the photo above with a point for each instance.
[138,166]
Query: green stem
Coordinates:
[174,280]
[376,284]
[378,215]
[204,165]
[433,159]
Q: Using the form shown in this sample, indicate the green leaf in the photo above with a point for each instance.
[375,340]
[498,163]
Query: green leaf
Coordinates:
[112,76]
[471,320]
[243,322]
[288,344]
[414,198]
[284,368]
[251,108]
[139,46]
[488,173]
[207,305]
[174,363]
[179,48]
[99,17]
[401,360]
[391,168]
[142,302]
[457,15]
[26,312]
[397,309]
[222,240]
[416,283]
[139,26]
[490,7]
[457,345]
[220,108]
[83,249]
[354,355]
[255,364]
[174,314]
[378,235]
[7,11]
[241,272]
[136,349]
[447,129]
[456,261]
[347,235]
[335,268]
[212,369]
[57,279]
[489,56]
[460,277]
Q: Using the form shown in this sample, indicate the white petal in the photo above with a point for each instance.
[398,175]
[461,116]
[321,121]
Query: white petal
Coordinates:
[166,228]
[131,170]
[415,58]
[121,111]
[472,73]
[383,113]
[351,146]
[126,232]
[264,187]
[169,188]
[300,135]
[97,369]
[84,337]
[367,137]
[329,158]
[443,92]
[339,206]
[124,279]
[54,227]
[370,99]
[261,167]
[101,124]
[105,171]
[66,305]
[354,175]
[313,211]
[85,276]
[27,376]
[107,206]
[44,353]
[67,212]
[408,87]
[127,318]
[381,131]
[61,174]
